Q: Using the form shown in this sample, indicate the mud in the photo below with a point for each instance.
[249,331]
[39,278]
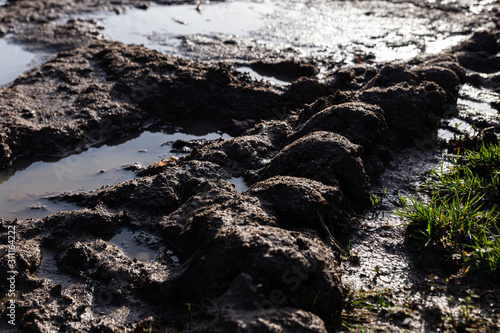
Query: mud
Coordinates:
[268,258]
[85,102]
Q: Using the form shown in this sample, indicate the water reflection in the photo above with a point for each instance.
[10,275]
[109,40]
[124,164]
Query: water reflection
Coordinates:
[14,60]
[25,185]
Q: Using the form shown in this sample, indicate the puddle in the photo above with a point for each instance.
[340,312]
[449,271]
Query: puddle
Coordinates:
[128,241]
[239,184]
[135,246]
[25,186]
[481,107]
[158,27]
[460,127]
[14,61]
[334,30]
[479,99]
[262,76]
[472,101]
[446,134]
[337,29]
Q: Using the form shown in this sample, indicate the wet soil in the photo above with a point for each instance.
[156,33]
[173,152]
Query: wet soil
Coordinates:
[179,247]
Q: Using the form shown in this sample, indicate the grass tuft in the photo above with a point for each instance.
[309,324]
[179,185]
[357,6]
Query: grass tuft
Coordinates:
[461,215]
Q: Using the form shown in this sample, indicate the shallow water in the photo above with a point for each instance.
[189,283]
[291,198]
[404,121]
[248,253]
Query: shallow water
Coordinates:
[239,184]
[25,186]
[479,99]
[14,60]
[338,29]
[262,76]
[472,101]
[126,240]
[480,107]
[159,26]
[460,125]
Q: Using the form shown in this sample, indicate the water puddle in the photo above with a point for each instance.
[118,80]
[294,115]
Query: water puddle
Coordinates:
[387,214]
[14,61]
[144,247]
[453,127]
[129,242]
[478,99]
[445,134]
[158,27]
[472,101]
[480,107]
[239,184]
[338,29]
[264,76]
[25,186]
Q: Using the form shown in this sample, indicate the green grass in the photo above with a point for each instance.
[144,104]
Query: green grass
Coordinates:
[362,309]
[461,215]
[475,173]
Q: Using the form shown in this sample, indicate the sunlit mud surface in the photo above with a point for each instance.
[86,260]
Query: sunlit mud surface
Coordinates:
[330,32]
[379,259]
[340,31]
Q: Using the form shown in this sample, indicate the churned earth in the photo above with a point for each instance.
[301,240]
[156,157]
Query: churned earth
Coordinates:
[298,250]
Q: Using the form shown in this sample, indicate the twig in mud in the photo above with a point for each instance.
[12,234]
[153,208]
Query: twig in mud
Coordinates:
[331,241]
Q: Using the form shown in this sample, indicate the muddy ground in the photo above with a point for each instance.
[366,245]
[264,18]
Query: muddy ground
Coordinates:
[268,259]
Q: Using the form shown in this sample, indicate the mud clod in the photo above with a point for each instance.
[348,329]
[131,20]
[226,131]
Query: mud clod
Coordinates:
[326,157]
[235,310]
[299,202]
